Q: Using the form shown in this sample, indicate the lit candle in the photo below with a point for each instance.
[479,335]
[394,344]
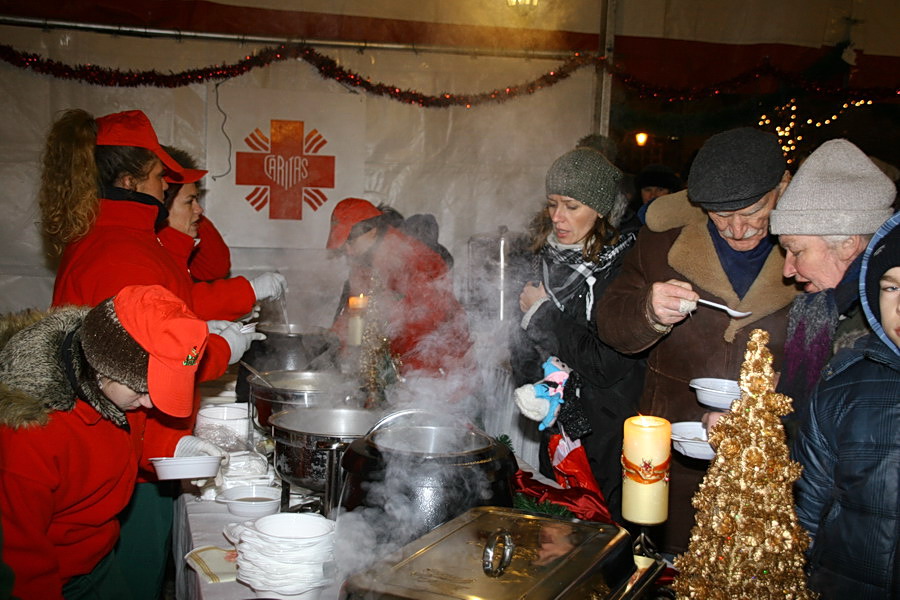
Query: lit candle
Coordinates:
[358,302]
[355,323]
[646,451]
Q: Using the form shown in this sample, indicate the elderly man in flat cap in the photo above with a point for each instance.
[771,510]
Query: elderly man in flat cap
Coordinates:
[710,241]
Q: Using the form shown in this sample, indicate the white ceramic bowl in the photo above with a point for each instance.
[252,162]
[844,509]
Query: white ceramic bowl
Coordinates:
[689,438]
[187,467]
[251,500]
[716,393]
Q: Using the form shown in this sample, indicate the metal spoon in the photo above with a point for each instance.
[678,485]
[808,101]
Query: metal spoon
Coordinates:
[257,373]
[731,312]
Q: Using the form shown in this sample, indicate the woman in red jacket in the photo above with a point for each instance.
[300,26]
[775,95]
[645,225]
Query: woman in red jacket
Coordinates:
[189,230]
[102,200]
[67,461]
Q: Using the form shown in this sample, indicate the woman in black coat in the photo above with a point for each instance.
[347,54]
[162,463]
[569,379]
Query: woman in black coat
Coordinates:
[576,252]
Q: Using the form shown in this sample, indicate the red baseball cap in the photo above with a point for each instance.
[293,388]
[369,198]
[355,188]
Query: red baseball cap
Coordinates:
[347,213]
[174,339]
[133,128]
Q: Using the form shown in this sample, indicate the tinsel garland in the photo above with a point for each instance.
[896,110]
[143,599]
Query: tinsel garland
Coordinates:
[328,68]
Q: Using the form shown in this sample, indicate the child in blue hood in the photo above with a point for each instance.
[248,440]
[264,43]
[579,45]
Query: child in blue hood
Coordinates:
[848,497]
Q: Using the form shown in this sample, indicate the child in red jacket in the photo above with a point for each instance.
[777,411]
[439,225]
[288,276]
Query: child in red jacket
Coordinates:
[67,461]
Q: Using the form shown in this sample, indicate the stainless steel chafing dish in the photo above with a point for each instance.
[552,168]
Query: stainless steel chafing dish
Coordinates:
[497,553]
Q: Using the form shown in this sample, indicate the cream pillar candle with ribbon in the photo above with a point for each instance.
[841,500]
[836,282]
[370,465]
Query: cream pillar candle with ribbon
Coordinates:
[355,324]
[646,452]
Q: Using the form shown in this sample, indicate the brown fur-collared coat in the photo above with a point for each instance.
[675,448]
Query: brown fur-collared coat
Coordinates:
[676,244]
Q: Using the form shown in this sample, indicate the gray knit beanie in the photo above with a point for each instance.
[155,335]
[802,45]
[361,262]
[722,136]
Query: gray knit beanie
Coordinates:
[734,169]
[836,191]
[585,175]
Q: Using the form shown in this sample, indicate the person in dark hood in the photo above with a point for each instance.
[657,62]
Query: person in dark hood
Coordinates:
[67,461]
[848,496]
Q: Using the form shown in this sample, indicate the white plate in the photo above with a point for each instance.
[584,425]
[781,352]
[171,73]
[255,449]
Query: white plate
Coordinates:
[716,393]
[689,438]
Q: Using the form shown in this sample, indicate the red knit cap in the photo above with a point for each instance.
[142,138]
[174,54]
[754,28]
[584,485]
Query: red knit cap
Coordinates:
[173,337]
[347,213]
[133,128]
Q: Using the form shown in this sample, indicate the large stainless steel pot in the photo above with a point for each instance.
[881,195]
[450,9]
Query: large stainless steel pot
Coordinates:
[300,389]
[287,347]
[433,466]
[309,443]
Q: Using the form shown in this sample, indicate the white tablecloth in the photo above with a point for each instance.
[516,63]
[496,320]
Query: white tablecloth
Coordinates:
[200,523]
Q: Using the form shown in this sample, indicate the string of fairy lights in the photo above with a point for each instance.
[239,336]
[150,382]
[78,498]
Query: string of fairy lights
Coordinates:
[790,126]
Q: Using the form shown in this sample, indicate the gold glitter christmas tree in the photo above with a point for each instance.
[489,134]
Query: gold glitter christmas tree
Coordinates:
[747,542]
[378,366]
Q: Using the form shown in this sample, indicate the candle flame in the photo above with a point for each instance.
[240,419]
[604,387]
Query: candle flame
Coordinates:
[358,302]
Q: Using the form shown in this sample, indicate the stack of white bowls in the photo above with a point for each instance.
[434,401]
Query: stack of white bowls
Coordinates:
[289,554]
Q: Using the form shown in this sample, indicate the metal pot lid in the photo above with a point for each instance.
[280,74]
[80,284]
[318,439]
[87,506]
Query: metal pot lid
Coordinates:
[304,381]
[325,422]
[430,440]
[499,553]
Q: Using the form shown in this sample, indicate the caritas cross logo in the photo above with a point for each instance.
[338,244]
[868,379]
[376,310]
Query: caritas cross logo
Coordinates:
[286,170]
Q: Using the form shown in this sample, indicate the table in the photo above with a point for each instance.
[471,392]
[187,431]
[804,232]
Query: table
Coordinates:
[200,523]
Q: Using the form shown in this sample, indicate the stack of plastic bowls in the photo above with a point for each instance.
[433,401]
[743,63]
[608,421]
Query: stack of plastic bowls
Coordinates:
[289,554]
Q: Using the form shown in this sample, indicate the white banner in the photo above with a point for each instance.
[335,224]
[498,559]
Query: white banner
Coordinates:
[291,157]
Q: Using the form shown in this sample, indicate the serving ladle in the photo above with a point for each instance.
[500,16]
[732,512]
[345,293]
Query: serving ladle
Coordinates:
[259,375]
[737,314]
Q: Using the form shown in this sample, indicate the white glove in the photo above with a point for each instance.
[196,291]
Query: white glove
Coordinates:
[529,404]
[239,341]
[217,326]
[191,445]
[268,285]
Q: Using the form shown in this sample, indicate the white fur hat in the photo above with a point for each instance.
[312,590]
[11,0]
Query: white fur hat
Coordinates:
[838,190]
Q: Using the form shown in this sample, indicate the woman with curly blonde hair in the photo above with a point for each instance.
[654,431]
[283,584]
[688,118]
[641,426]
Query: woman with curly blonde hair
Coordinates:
[102,196]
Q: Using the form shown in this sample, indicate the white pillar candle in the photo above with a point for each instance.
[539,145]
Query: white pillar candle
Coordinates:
[355,323]
[646,451]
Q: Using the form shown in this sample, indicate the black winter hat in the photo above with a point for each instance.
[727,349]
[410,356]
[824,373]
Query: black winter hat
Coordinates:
[111,350]
[658,176]
[735,168]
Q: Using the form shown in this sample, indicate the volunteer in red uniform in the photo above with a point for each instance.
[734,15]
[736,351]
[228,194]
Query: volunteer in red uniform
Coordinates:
[102,201]
[67,461]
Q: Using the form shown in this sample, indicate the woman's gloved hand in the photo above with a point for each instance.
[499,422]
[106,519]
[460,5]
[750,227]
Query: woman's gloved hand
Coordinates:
[268,285]
[239,341]
[191,445]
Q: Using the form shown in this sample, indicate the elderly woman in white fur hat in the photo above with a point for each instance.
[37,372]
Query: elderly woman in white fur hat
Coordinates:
[824,220]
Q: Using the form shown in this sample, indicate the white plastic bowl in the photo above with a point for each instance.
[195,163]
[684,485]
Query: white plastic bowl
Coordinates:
[295,527]
[187,467]
[232,416]
[689,438]
[251,500]
[716,393]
